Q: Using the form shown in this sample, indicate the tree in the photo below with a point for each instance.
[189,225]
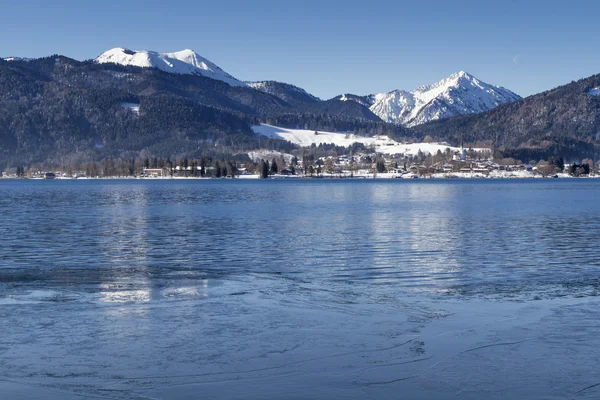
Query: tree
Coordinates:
[329,166]
[428,139]
[274,167]
[560,163]
[579,169]
[264,169]
[545,169]
[231,169]
[217,170]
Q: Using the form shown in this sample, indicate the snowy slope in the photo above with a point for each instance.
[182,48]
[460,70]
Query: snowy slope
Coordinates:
[381,144]
[10,59]
[458,94]
[595,91]
[185,62]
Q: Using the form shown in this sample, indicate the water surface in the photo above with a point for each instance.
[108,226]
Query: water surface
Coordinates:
[252,289]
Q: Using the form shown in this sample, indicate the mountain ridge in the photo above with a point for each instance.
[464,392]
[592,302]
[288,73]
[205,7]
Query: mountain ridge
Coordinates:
[291,94]
[459,94]
[56,107]
[186,62]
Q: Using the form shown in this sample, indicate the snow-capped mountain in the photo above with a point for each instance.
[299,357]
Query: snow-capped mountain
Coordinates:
[459,94]
[182,62]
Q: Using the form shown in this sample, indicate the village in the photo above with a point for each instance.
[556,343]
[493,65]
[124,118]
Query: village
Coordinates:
[460,163]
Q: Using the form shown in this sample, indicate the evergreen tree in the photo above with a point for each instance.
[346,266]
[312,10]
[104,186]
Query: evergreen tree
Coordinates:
[560,163]
[202,167]
[264,169]
[274,167]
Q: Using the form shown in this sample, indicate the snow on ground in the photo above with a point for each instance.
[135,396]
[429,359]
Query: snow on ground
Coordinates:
[258,155]
[595,91]
[133,107]
[10,59]
[186,62]
[381,144]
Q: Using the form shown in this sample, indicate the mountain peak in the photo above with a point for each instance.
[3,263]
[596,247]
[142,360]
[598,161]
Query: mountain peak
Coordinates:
[461,74]
[460,93]
[186,62]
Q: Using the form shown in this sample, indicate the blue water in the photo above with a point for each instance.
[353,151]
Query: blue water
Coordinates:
[163,289]
[426,234]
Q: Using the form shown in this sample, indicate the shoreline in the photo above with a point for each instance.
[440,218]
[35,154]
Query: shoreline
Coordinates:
[297,177]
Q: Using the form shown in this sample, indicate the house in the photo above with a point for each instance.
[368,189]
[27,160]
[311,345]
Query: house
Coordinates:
[153,172]
[460,155]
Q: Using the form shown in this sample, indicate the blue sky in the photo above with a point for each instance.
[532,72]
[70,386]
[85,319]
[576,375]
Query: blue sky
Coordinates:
[329,47]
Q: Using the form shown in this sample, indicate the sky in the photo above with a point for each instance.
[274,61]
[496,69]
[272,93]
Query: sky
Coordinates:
[329,47]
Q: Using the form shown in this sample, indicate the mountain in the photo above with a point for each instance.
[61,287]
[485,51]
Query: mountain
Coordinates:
[340,109]
[304,102]
[291,94]
[564,121]
[459,94]
[366,101]
[58,110]
[185,62]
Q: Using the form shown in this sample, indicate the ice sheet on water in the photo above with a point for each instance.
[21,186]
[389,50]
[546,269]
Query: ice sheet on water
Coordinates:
[37,296]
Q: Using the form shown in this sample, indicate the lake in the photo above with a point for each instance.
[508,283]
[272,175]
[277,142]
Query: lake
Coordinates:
[353,289]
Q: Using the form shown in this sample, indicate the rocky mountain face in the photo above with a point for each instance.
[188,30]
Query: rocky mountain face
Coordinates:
[564,121]
[459,94]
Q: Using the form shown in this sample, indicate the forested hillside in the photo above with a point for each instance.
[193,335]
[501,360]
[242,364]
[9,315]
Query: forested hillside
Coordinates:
[564,121]
[56,108]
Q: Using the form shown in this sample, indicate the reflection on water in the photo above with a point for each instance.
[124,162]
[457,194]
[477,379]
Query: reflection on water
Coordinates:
[235,289]
[137,241]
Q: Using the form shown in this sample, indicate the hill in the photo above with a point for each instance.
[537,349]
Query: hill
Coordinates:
[55,109]
[564,121]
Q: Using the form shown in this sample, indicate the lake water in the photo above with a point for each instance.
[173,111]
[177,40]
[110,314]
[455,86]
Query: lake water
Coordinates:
[168,289]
